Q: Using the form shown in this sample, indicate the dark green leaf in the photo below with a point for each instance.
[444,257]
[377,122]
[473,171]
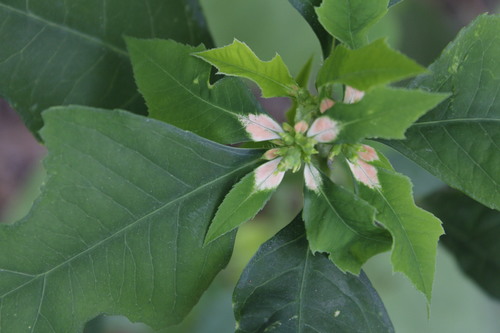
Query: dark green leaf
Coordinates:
[369,66]
[57,52]
[341,224]
[472,235]
[119,226]
[459,141]
[394,2]
[306,9]
[285,288]
[382,113]
[177,90]
[237,59]
[348,20]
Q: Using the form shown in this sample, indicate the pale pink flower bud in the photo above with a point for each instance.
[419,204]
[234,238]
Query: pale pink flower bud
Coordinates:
[312,178]
[352,95]
[261,127]
[267,176]
[326,104]
[301,127]
[368,154]
[324,129]
[271,154]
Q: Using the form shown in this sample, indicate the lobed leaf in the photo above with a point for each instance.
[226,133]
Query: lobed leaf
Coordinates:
[458,141]
[59,53]
[177,90]
[348,20]
[383,113]
[369,66]
[472,234]
[342,225]
[286,289]
[119,226]
[237,59]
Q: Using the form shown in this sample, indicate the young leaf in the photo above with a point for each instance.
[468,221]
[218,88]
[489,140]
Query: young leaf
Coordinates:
[245,199]
[382,113]
[177,91]
[54,54]
[371,65]
[348,20]
[458,141]
[472,234]
[343,225]
[306,9]
[415,232]
[238,59]
[119,226]
[287,289]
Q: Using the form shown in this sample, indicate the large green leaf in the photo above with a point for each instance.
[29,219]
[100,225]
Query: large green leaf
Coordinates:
[371,65]
[119,226]
[237,59]
[306,9]
[382,113]
[285,288]
[472,235]
[343,225]
[348,20]
[55,52]
[459,141]
[177,90]
[414,231]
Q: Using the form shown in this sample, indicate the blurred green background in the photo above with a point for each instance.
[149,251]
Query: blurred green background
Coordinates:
[421,29]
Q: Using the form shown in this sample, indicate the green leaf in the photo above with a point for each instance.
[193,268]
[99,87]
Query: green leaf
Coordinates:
[414,231]
[472,234]
[286,289]
[343,225]
[306,9]
[382,113]
[241,204]
[371,65]
[237,59]
[56,53]
[459,140]
[177,91]
[394,2]
[348,20]
[119,226]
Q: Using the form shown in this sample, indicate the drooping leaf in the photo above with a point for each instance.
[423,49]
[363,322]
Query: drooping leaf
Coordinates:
[56,53]
[382,113]
[343,225]
[119,226]
[348,20]
[472,234]
[285,288]
[414,231]
[177,90]
[306,9]
[371,65]
[459,140]
[237,59]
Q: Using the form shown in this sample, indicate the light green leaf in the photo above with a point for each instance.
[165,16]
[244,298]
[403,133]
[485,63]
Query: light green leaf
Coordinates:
[177,91]
[414,231]
[343,225]
[287,289]
[237,59]
[382,113]
[459,141]
[472,234]
[371,65]
[306,9]
[348,20]
[55,53]
[119,226]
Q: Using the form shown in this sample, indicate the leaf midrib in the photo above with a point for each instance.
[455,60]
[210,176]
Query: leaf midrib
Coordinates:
[93,39]
[128,227]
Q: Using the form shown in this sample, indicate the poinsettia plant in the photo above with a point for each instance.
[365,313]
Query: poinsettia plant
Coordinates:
[138,213]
